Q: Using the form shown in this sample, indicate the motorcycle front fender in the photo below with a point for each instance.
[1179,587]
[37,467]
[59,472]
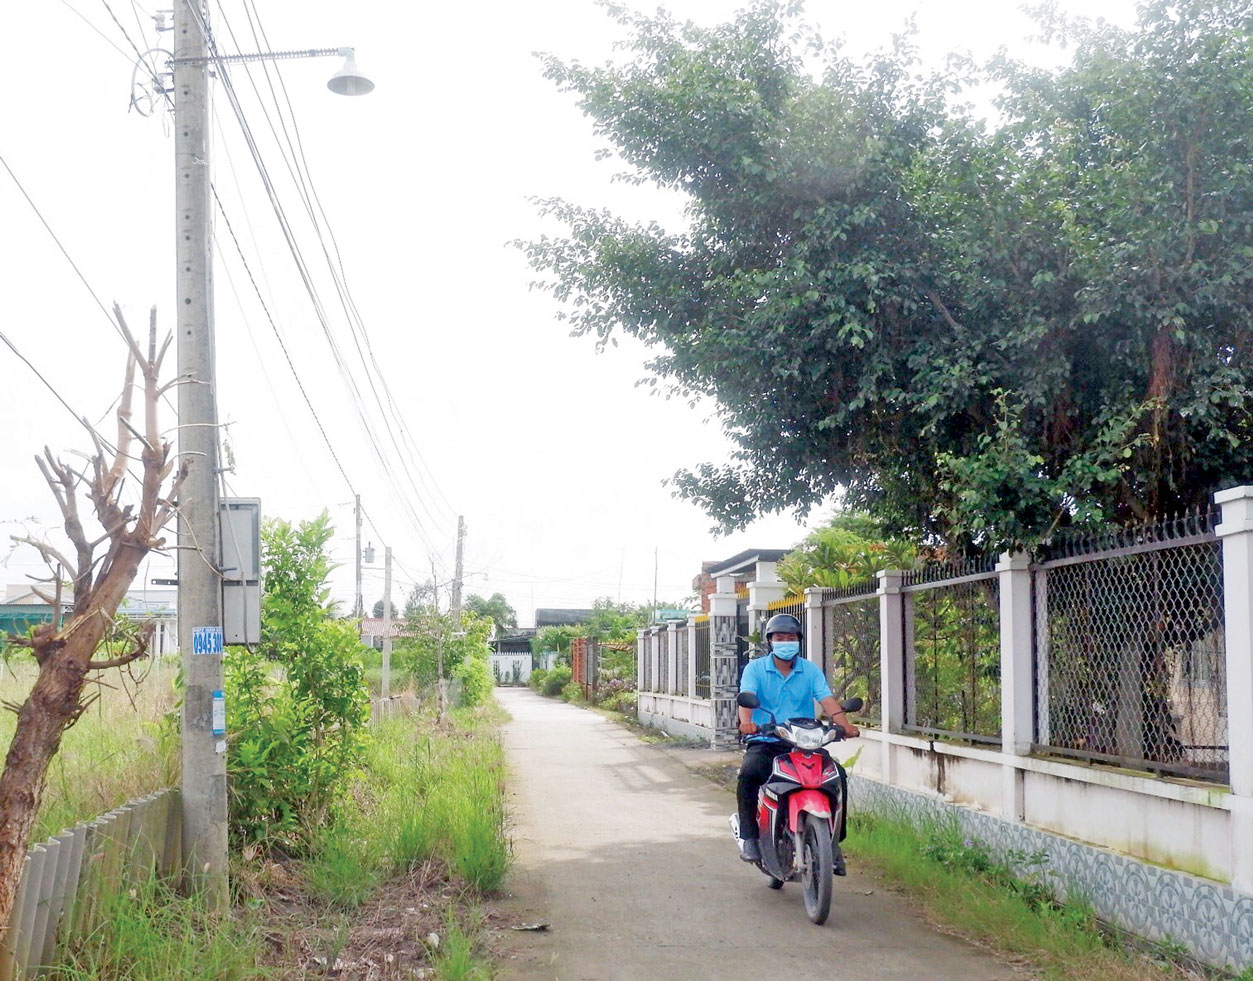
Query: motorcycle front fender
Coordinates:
[815,802]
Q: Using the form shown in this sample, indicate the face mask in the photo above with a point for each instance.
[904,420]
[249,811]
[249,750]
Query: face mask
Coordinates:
[786,649]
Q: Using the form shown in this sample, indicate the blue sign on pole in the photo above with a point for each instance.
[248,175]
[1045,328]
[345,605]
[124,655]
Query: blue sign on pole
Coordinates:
[207,640]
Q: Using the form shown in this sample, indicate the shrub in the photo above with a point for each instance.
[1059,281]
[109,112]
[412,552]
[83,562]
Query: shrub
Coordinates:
[572,692]
[611,689]
[536,680]
[556,680]
[476,681]
[622,702]
[297,705]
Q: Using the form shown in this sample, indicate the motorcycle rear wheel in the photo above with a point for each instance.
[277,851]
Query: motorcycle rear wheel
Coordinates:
[816,859]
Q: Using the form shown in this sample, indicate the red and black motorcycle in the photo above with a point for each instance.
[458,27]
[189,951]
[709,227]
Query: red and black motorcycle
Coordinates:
[800,809]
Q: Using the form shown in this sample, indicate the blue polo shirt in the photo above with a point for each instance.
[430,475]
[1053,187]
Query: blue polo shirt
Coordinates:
[788,698]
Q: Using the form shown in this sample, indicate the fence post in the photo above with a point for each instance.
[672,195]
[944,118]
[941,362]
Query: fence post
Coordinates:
[690,627]
[672,658]
[1017,683]
[815,643]
[760,596]
[891,663]
[723,665]
[1236,534]
[641,654]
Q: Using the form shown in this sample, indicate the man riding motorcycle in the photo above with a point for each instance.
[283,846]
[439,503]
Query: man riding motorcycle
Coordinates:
[787,686]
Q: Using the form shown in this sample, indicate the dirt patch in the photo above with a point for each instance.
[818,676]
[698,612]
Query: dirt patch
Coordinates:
[395,934]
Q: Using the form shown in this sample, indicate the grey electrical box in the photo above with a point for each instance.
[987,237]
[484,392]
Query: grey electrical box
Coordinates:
[240,537]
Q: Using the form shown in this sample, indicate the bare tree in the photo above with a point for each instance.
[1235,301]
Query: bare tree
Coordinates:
[100,570]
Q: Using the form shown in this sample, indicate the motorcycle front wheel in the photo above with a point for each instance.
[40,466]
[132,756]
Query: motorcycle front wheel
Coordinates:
[816,859]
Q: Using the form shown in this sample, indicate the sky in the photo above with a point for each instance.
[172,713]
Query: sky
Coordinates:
[551,451]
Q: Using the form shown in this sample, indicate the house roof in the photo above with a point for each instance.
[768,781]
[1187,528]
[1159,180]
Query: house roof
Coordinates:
[746,561]
[373,627]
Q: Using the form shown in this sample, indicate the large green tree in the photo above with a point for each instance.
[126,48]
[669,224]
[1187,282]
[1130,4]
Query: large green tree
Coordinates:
[495,608]
[979,332]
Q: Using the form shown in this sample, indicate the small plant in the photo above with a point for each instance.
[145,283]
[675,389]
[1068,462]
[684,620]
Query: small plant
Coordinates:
[536,680]
[556,680]
[476,681]
[297,704]
[572,692]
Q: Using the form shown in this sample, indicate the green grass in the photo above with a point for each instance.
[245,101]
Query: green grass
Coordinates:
[119,750]
[963,887]
[456,958]
[427,793]
[153,934]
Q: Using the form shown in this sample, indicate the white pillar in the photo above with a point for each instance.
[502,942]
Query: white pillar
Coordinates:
[672,658]
[1017,683]
[815,642]
[691,659]
[641,657]
[891,662]
[1236,533]
[760,595]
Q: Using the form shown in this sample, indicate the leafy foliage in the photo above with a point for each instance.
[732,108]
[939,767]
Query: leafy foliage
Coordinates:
[496,608]
[980,333]
[431,634]
[476,680]
[849,550]
[297,705]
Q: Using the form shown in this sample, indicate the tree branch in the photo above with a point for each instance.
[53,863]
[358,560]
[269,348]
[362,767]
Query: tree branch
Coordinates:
[140,650]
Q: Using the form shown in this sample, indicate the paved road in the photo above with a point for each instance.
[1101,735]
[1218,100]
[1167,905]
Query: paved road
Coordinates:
[627,855]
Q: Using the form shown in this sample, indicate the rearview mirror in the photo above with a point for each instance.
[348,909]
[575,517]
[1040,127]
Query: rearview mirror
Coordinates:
[748,700]
[853,705]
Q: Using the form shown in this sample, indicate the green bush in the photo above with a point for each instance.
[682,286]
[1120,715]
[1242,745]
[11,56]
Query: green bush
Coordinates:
[623,701]
[556,680]
[536,680]
[297,704]
[476,681]
[572,692]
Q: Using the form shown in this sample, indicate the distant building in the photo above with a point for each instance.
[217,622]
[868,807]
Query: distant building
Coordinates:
[551,617]
[747,566]
[22,608]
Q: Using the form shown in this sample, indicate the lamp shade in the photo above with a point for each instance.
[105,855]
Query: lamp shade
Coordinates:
[349,80]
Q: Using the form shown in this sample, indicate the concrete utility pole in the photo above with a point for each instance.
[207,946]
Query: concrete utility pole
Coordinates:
[387,621]
[456,583]
[359,610]
[199,580]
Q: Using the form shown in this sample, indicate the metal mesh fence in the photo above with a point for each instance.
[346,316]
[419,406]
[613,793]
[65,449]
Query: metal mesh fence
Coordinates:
[953,657]
[681,654]
[702,657]
[850,638]
[1131,660]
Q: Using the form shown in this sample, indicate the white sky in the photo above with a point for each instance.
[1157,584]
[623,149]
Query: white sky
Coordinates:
[549,450]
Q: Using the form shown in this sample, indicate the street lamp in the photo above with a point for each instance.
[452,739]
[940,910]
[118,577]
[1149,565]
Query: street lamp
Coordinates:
[199,590]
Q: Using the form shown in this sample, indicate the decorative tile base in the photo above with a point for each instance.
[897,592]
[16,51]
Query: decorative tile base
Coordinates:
[1212,919]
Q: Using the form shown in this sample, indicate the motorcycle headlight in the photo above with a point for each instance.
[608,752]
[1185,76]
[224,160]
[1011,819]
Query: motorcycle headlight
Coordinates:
[808,738]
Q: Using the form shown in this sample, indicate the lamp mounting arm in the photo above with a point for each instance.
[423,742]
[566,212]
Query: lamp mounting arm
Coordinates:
[263,56]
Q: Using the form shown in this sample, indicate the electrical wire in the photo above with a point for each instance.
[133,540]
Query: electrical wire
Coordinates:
[64,251]
[262,39]
[298,169]
[108,40]
[306,278]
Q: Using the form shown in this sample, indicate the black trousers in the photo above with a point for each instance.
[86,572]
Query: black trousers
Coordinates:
[755,770]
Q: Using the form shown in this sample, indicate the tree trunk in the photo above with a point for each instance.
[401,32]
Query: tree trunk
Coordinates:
[53,703]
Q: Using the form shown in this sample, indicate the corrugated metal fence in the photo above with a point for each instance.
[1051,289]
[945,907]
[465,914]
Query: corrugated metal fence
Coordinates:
[68,880]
